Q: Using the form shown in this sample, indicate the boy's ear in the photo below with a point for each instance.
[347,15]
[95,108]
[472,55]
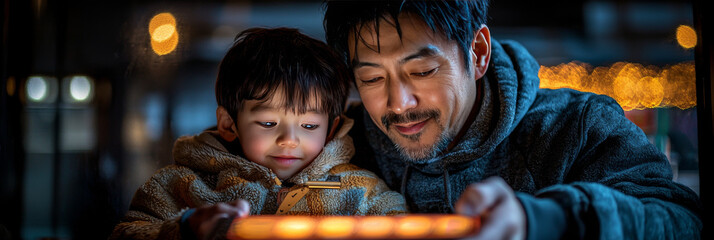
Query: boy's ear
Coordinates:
[333,130]
[226,126]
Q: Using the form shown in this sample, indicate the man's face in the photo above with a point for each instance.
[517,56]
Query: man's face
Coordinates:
[416,88]
[279,139]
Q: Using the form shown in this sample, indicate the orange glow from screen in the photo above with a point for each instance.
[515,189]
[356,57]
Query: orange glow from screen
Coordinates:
[417,226]
[632,85]
[335,227]
[164,36]
[375,227]
[295,227]
[413,227]
[686,36]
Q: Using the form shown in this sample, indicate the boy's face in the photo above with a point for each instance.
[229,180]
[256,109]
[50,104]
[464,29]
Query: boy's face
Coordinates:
[279,139]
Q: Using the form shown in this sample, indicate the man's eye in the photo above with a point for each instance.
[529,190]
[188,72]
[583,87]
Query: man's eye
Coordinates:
[424,74]
[267,124]
[373,80]
[310,126]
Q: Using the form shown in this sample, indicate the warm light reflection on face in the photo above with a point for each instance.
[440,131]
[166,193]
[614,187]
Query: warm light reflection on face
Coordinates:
[279,139]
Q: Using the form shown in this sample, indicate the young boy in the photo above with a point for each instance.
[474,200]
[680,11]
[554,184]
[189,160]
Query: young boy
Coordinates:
[280,145]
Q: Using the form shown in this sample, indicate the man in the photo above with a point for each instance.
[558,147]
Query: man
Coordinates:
[456,122]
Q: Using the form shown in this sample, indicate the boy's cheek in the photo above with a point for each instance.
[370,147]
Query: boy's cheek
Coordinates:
[255,148]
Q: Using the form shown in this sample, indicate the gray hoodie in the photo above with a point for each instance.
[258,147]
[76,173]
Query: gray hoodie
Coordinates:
[579,167]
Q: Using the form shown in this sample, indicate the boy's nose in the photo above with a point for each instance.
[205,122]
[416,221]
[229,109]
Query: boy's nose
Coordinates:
[288,138]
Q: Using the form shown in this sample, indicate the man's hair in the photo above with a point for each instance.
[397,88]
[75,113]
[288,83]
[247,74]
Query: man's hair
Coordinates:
[455,20]
[263,61]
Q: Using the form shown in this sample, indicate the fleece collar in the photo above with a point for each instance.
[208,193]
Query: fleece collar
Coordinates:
[205,153]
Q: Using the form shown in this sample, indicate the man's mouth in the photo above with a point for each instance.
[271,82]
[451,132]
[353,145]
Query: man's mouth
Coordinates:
[411,128]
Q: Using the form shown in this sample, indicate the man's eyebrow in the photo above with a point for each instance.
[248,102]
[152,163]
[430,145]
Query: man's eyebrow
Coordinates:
[426,51]
[357,64]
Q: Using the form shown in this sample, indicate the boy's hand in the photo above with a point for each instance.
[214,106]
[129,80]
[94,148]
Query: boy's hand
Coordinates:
[502,216]
[205,218]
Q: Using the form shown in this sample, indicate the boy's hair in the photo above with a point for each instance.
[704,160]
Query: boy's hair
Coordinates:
[263,61]
[455,20]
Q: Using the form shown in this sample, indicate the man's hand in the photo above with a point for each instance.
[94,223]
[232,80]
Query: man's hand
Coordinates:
[204,220]
[502,216]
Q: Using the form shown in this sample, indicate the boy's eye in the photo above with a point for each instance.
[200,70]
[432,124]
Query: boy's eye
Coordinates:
[310,126]
[267,124]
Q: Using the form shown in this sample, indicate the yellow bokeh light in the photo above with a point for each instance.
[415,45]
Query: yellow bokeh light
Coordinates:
[10,86]
[632,85]
[686,36]
[163,32]
[164,35]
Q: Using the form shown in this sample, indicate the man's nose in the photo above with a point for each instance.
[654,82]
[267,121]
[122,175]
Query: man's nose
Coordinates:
[401,96]
[288,138]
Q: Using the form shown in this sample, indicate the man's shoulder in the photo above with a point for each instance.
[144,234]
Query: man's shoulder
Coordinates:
[564,109]
[571,101]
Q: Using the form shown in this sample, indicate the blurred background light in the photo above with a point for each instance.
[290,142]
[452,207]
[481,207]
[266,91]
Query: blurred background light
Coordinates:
[632,85]
[41,89]
[37,88]
[164,36]
[10,86]
[686,36]
[80,88]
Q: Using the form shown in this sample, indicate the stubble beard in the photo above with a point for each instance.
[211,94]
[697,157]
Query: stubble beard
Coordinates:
[421,153]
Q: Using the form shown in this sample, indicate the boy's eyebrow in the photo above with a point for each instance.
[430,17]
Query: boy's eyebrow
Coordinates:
[269,107]
[261,107]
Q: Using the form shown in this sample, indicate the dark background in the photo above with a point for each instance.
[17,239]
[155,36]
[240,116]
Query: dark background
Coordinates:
[68,170]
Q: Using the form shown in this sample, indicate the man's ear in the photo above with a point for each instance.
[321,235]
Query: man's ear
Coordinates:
[481,51]
[333,129]
[226,126]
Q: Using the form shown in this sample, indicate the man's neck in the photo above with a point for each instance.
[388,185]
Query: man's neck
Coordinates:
[472,115]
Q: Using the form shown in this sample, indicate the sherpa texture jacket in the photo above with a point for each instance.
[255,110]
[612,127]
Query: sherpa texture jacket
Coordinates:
[205,172]
[579,167]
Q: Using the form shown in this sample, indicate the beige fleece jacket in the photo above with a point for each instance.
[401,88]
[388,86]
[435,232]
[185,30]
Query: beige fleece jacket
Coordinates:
[205,173]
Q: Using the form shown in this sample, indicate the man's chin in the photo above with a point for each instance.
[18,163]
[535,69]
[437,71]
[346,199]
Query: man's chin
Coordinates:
[414,151]
[417,151]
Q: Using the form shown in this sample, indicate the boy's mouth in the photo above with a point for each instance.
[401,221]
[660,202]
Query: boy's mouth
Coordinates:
[285,160]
